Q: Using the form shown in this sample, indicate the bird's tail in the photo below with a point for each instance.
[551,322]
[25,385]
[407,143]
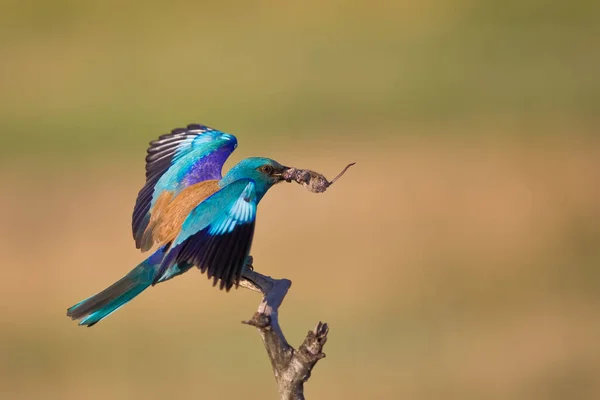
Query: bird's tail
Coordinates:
[93,309]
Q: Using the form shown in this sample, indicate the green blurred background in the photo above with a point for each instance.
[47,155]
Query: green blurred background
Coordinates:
[459,259]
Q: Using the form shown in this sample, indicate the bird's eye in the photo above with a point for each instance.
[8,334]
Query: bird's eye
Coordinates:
[267,169]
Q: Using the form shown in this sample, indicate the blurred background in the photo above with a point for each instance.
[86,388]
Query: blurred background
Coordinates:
[459,259]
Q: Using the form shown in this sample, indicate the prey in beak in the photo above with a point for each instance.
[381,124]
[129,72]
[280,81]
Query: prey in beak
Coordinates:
[313,181]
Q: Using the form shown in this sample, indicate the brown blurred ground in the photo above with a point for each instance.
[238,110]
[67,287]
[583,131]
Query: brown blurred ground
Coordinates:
[446,271]
[459,259]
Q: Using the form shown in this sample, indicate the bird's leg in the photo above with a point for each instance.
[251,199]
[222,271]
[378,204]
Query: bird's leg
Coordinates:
[248,263]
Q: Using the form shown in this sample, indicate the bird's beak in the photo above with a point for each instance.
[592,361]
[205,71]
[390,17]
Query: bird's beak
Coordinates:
[281,174]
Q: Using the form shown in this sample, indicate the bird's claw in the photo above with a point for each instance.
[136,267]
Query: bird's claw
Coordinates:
[248,264]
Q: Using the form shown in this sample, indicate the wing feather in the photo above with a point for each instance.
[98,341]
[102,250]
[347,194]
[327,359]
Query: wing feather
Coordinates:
[177,160]
[217,235]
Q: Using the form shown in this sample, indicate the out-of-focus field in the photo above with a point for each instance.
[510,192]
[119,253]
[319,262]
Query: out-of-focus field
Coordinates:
[444,270]
[459,259]
[93,77]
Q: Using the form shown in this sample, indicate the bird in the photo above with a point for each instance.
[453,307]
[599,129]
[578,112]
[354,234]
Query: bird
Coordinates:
[195,216]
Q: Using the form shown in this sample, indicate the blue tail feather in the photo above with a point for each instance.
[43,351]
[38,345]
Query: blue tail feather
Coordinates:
[93,309]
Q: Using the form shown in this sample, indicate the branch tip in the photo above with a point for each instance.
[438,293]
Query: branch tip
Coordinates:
[258,320]
[322,329]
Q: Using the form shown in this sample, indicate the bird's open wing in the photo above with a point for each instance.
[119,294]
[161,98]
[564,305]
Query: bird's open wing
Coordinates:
[178,160]
[217,235]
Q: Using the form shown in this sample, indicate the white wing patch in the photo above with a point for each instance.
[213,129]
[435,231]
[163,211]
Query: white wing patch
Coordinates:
[241,212]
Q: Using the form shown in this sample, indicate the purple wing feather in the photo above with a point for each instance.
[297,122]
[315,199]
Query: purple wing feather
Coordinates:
[177,160]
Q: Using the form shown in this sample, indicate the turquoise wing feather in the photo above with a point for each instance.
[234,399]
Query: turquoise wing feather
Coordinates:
[177,160]
[217,235]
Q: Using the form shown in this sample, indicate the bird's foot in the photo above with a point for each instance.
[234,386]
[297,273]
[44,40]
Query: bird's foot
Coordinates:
[248,265]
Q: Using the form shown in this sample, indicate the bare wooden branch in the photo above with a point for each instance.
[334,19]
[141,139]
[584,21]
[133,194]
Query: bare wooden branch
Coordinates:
[291,367]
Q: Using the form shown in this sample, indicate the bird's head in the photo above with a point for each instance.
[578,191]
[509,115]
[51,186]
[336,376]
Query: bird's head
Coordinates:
[263,171]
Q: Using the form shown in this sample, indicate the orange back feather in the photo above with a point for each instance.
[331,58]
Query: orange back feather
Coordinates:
[169,213]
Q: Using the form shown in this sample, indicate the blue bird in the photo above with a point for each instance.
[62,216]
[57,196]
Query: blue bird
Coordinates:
[195,216]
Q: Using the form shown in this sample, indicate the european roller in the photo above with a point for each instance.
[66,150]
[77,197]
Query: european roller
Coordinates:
[194,215]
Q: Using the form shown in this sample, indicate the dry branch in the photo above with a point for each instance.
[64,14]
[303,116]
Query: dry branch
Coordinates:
[291,367]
